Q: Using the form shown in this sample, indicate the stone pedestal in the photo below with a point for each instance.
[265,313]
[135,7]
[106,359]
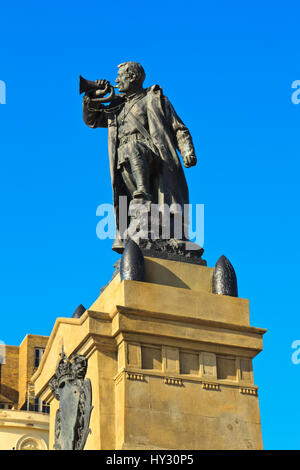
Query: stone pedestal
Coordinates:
[169,361]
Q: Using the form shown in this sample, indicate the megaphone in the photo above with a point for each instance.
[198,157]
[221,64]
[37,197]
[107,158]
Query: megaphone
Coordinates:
[93,89]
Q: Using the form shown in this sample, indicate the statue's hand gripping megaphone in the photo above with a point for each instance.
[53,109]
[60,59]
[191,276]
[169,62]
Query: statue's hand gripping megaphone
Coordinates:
[96,91]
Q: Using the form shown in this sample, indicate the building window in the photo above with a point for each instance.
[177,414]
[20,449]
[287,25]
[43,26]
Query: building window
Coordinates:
[5,406]
[45,407]
[38,356]
[36,404]
[41,406]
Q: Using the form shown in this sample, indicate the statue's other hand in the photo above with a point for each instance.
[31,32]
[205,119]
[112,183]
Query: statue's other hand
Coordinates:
[189,160]
[103,84]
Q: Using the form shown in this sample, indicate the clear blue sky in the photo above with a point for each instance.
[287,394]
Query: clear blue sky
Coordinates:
[227,67]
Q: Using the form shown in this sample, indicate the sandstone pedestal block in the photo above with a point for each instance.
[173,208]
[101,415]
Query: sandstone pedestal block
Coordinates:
[170,363]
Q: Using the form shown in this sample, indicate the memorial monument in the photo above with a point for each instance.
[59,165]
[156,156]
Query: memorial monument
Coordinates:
[144,133]
[167,347]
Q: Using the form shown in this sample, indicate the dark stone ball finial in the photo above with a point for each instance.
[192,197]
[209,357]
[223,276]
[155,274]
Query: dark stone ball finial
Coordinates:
[132,266]
[79,311]
[224,278]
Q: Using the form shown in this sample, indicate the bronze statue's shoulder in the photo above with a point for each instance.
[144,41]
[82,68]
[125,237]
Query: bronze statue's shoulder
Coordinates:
[154,89]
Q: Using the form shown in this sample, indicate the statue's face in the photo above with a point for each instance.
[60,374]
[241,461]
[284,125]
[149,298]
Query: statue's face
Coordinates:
[79,366]
[124,80]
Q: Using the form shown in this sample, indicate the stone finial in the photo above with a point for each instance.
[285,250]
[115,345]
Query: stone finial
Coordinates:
[224,278]
[79,311]
[132,266]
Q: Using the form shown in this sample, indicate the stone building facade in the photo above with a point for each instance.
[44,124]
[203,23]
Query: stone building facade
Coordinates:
[24,419]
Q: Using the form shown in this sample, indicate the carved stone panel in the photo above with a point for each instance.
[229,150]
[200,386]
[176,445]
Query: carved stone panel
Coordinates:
[208,365]
[171,359]
[189,363]
[246,370]
[151,358]
[134,355]
[226,368]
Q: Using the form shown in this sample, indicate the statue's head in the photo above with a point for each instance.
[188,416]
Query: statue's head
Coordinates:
[79,366]
[131,76]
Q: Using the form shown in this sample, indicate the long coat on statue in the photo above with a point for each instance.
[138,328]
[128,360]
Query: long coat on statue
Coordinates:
[168,134]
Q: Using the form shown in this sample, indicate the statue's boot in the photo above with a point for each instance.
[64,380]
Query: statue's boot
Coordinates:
[118,244]
[142,194]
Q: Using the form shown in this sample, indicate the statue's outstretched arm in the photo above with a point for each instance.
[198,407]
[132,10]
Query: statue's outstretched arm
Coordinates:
[183,138]
[93,114]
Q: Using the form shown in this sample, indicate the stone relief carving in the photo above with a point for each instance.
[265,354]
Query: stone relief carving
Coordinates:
[75,403]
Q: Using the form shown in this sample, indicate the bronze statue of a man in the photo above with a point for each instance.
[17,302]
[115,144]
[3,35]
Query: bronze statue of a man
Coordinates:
[144,134]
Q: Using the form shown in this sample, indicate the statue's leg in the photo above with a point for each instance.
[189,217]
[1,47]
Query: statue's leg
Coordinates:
[128,178]
[122,198]
[140,170]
